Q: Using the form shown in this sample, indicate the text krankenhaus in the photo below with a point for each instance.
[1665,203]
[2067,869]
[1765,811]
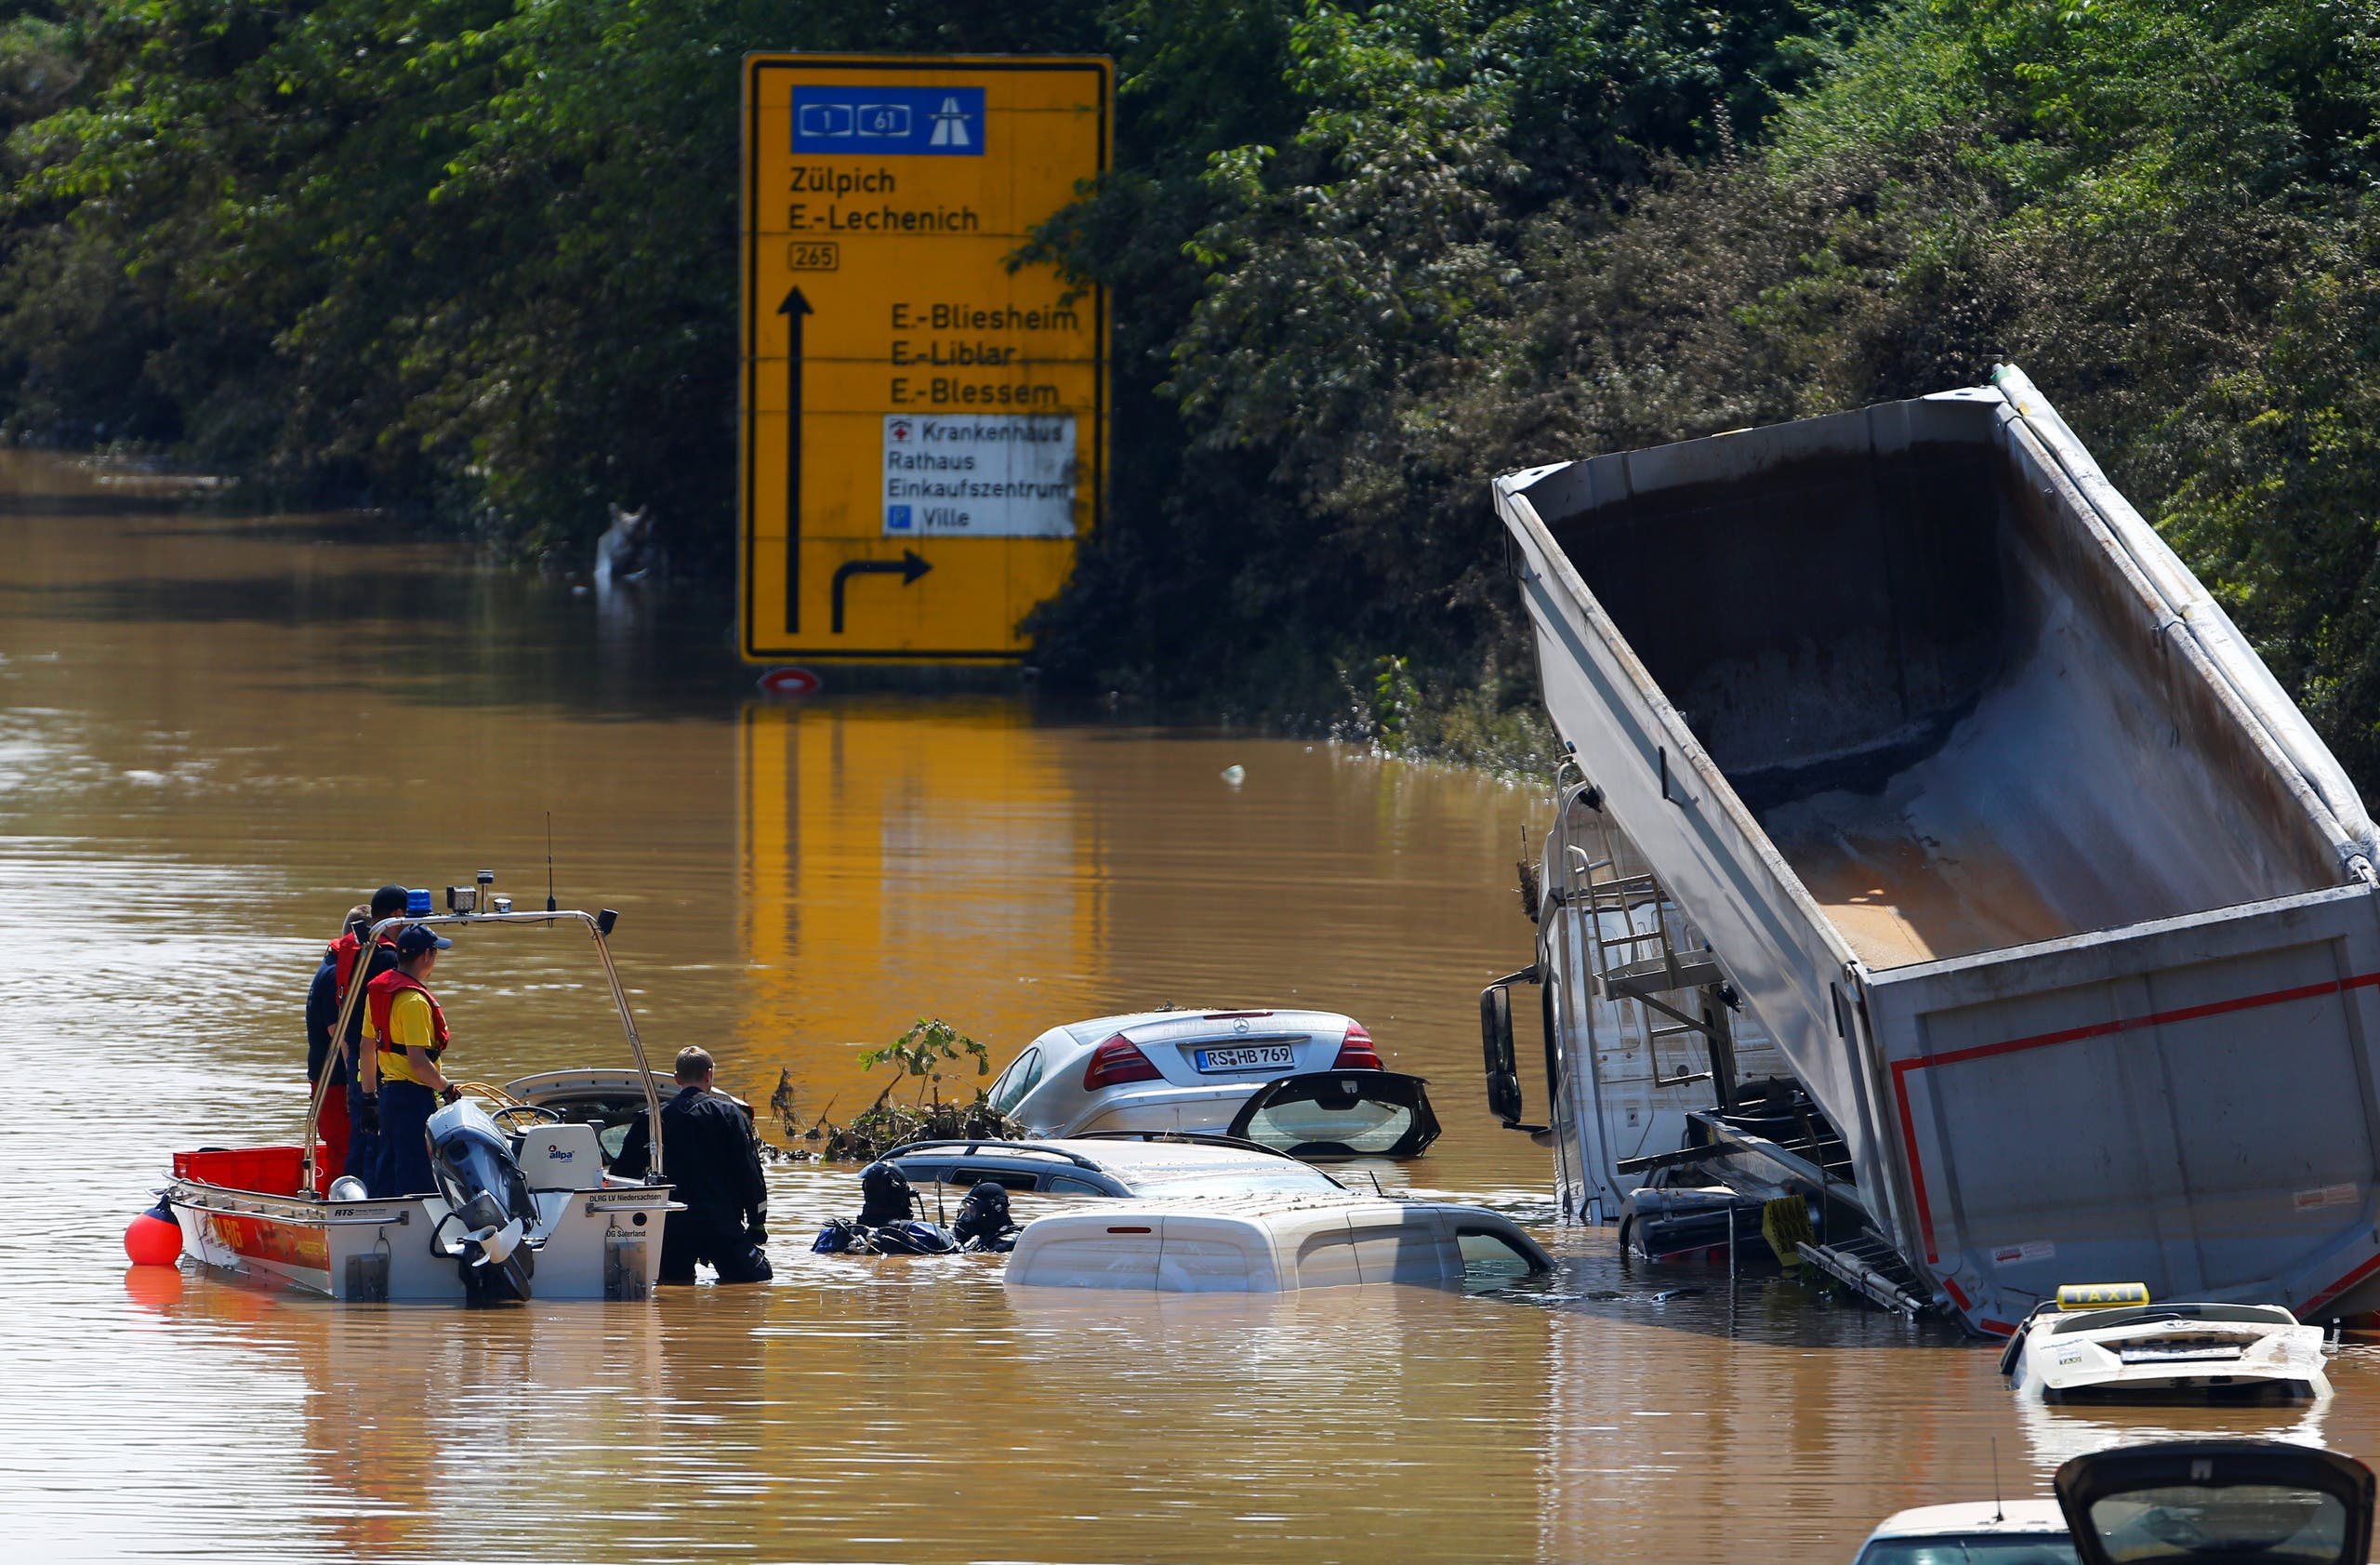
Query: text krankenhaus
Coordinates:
[938,475]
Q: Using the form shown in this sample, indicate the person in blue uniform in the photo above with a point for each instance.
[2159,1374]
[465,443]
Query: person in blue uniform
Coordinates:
[322,1019]
[713,1166]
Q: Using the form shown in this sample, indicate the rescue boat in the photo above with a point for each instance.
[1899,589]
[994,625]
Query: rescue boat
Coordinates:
[523,1205]
[2107,1342]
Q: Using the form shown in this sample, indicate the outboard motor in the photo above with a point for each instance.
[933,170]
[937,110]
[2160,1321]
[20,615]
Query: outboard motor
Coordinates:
[983,1221]
[483,1183]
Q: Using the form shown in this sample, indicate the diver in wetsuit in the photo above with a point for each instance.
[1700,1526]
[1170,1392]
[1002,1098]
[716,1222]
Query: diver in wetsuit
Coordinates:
[715,1168]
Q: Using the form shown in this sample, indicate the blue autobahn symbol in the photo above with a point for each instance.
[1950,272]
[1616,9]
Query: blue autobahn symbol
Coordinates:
[889,121]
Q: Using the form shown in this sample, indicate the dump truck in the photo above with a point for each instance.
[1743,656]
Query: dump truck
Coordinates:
[1932,845]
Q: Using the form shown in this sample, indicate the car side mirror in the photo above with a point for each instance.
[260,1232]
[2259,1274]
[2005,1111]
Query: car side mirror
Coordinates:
[2191,1502]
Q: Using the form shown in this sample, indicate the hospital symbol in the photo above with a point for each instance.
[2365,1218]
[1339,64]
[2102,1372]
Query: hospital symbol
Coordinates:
[950,126]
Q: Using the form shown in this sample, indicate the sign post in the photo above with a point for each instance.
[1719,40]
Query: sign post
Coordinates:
[924,424]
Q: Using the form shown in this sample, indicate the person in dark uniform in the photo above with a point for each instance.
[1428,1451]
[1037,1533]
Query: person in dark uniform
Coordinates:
[715,1168]
[321,1019]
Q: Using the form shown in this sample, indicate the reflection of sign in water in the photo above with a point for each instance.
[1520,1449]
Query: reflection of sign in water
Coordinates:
[902,384]
[898,863]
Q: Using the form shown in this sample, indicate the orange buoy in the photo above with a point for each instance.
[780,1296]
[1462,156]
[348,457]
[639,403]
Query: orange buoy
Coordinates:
[153,1238]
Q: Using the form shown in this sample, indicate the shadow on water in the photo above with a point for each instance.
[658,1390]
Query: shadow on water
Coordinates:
[1759,1305]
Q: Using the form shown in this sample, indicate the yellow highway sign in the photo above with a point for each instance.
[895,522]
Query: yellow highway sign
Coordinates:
[924,427]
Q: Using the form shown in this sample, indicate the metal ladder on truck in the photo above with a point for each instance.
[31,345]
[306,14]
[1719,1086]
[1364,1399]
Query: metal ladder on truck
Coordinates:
[1651,972]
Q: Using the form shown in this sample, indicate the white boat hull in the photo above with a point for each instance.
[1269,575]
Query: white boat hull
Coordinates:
[589,1244]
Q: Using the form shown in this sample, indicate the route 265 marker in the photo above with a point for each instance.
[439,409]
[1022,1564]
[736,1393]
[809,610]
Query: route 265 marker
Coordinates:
[924,431]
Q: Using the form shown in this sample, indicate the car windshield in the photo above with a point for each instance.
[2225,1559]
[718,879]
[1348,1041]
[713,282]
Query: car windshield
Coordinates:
[1976,1548]
[611,1112]
[2134,1315]
[2240,1522]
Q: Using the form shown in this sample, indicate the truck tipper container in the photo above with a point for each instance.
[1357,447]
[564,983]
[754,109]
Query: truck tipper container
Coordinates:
[1904,754]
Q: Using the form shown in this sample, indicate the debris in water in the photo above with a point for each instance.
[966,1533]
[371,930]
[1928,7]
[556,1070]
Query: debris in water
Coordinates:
[1666,1295]
[1235,774]
[1605,1294]
[923,1053]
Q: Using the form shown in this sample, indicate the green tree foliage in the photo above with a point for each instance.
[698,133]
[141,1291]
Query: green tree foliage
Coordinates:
[477,257]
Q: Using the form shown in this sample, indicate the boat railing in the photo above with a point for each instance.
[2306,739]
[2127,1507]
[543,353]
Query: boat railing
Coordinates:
[400,1217]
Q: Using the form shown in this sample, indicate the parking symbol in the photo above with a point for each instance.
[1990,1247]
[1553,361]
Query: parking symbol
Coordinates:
[896,519]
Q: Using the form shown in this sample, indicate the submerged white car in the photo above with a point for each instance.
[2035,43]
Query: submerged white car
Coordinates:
[2127,1348]
[1972,1533]
[1309,1082]
[1272,1244]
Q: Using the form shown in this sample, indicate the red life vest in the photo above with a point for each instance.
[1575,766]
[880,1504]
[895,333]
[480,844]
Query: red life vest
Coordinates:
[344,951]
[381,993]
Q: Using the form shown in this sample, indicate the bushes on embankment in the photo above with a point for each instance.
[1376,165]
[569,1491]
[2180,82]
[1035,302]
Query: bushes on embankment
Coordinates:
[477,257]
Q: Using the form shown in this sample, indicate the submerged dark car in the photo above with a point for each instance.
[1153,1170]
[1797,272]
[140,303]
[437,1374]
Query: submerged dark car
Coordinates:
[1154,1165]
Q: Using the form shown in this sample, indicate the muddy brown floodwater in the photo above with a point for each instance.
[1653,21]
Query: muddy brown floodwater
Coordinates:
[216,730]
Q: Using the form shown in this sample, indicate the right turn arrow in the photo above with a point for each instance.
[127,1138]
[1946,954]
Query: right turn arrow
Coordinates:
[908,568]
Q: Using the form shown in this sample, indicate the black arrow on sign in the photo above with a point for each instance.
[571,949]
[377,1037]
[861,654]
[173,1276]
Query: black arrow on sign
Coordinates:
[794,308]
[909,566]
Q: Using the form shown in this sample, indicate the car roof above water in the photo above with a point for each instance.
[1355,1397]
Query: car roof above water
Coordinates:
[1277,1243]
[1966,1518]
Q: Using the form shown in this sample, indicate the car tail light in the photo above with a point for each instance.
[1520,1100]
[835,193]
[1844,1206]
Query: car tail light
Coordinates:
[1120,1060]
[1356,1053]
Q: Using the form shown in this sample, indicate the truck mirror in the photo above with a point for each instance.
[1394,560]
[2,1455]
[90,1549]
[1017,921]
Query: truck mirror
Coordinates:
[1496,1043]
[2195,1501]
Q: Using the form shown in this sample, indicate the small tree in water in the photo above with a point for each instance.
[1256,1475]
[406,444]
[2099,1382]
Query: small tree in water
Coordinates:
[929,1052]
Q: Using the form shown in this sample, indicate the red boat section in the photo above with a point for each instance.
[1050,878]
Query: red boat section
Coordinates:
[262,1239]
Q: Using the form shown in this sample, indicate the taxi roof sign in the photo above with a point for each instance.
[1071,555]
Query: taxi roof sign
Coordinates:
[924,425]
[2101,1295]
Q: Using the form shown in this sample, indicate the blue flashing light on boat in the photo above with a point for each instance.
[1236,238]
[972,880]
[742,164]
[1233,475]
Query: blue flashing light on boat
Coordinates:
[418,903]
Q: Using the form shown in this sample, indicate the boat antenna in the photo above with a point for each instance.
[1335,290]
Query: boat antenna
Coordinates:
[1999,1511]
[550,904]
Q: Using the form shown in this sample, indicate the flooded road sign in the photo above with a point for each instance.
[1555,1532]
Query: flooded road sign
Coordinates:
[789,681]
[924,427]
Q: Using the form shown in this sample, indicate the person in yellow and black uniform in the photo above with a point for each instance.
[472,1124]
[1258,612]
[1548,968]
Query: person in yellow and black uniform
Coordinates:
[404,1034]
